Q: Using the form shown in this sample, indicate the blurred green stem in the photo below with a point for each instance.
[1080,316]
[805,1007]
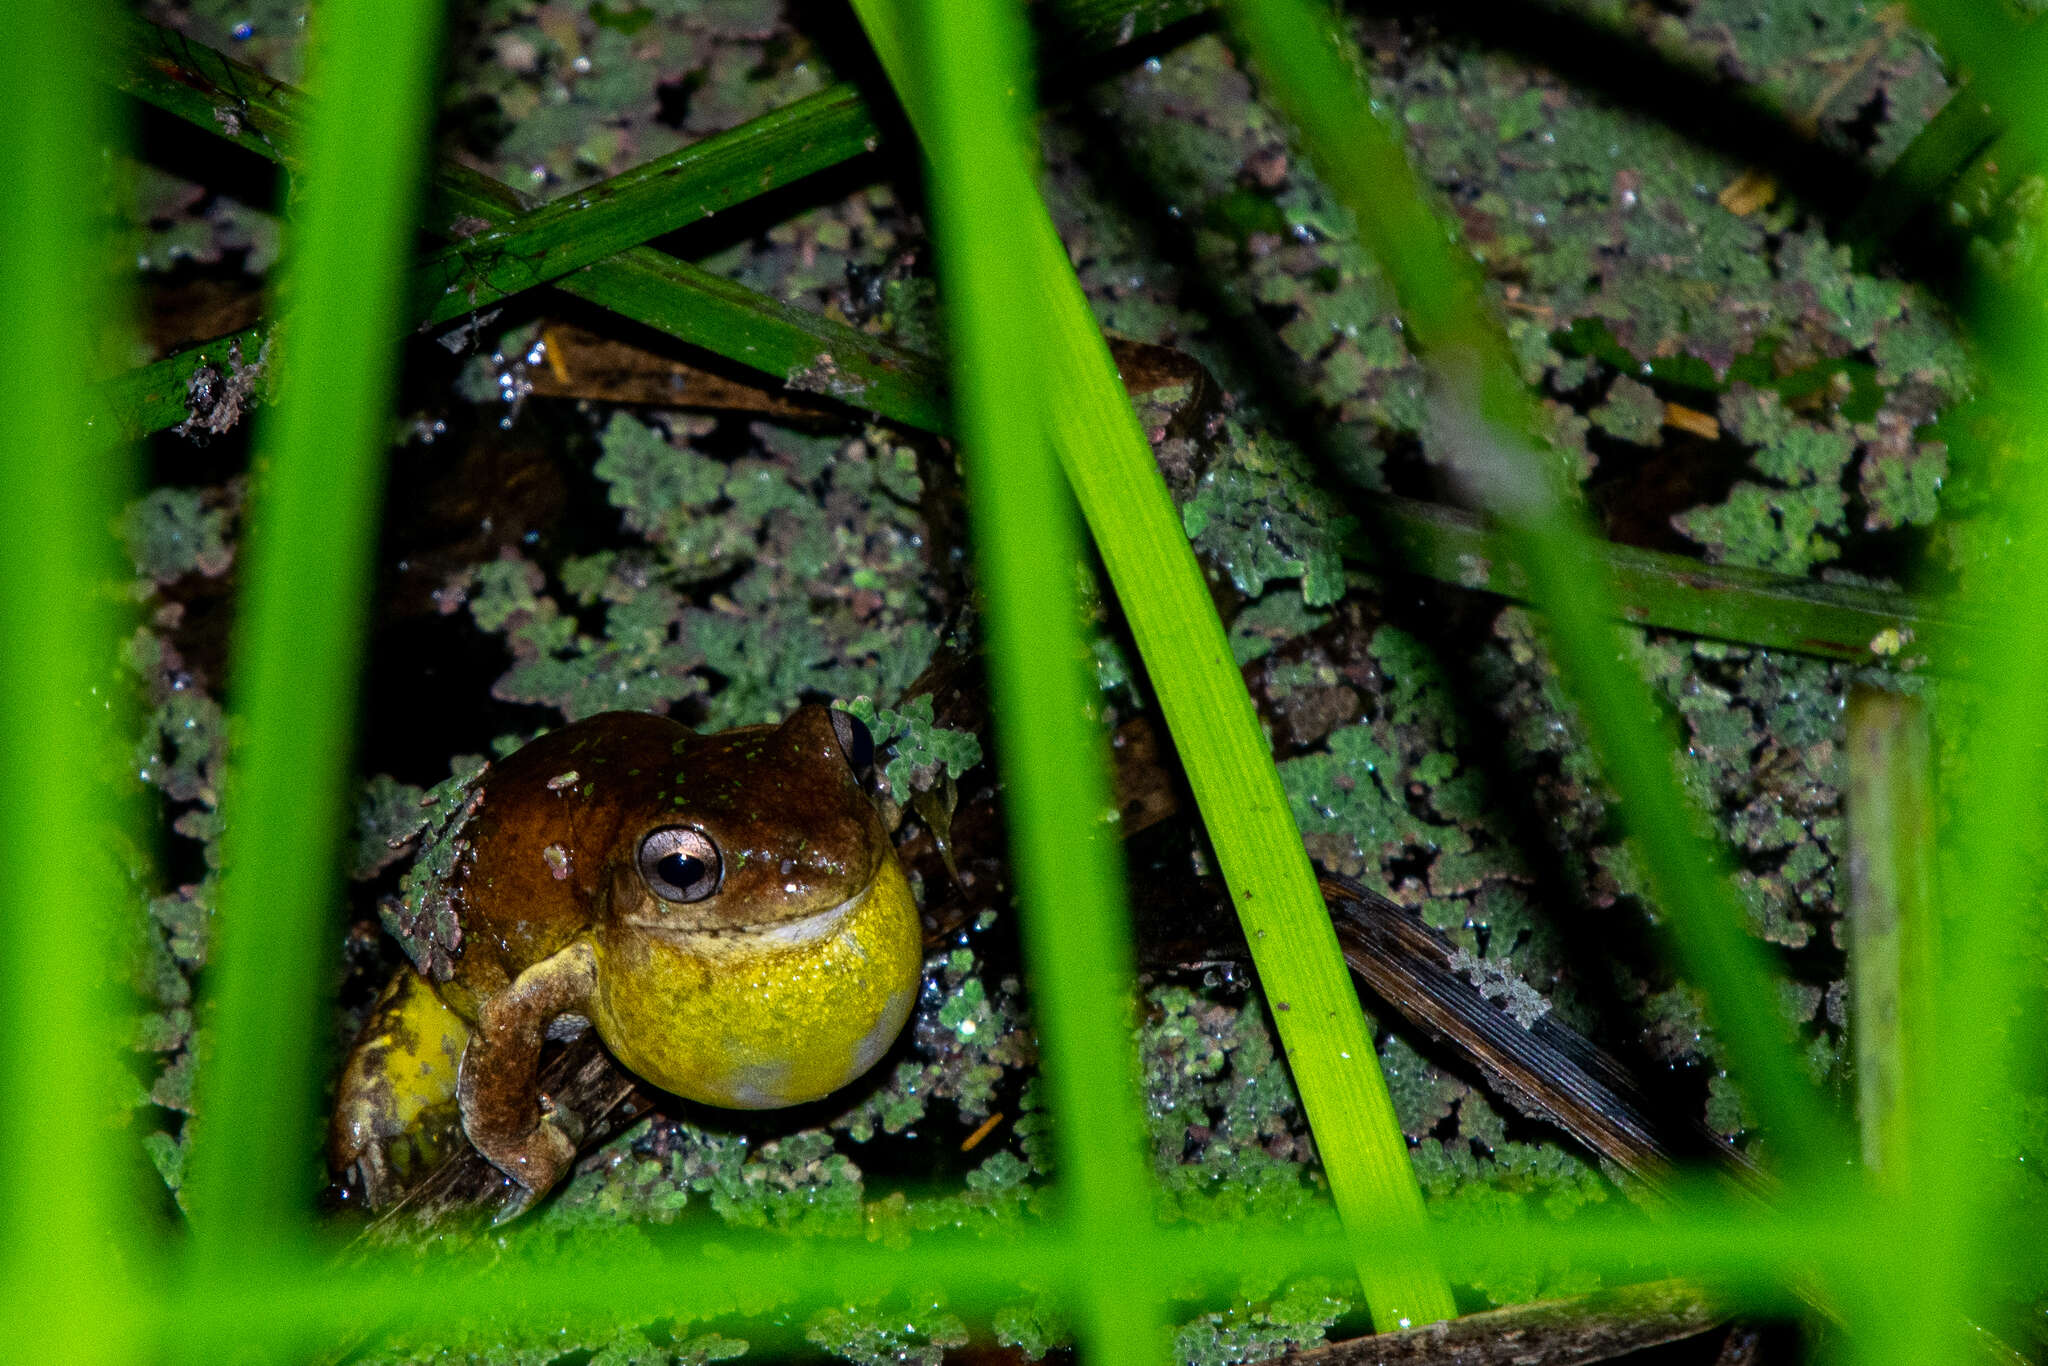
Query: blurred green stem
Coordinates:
[305,579]
[73,1238]
[1053,749]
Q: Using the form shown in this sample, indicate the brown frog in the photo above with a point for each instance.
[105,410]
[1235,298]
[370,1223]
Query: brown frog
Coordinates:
[726,910]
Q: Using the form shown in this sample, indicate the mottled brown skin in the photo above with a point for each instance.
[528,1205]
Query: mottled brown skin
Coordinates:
[788,980]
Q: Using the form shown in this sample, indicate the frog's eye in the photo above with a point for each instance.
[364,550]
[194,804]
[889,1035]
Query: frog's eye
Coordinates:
[680,864]
[854,740]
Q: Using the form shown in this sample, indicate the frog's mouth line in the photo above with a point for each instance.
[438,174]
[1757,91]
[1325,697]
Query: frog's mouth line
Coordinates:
[776,934]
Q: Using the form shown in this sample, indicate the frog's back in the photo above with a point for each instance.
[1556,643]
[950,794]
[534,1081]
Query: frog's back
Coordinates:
[545,837]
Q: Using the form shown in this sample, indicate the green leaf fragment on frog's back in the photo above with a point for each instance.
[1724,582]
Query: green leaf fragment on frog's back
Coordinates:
[422,916]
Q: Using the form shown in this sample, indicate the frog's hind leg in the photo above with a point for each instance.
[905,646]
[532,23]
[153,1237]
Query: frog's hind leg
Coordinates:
[394,1112]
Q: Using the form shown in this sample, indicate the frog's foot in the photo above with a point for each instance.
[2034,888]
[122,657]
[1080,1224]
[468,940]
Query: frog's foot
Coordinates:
[394,1112]
[537,1162]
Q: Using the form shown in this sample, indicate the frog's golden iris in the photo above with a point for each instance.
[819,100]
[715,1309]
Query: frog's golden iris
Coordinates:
[727,910]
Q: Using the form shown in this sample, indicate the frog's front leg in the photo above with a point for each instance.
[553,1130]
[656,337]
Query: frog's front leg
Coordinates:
[498,1088]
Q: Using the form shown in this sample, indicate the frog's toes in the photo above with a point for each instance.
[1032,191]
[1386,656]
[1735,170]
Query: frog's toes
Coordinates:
[518,1200]
[369,1171]
[535,1160]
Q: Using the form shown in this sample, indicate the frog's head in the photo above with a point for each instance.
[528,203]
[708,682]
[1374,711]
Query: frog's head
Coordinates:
[757,836]
[757,943]
[626,825]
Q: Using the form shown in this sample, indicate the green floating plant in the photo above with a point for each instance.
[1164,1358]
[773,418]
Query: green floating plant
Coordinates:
[920,749]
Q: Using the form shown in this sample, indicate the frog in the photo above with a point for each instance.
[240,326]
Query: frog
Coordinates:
[726,910]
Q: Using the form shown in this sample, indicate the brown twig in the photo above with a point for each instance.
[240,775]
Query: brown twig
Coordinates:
[1570,1332]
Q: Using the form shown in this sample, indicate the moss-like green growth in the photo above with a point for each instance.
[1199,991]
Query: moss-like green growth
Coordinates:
[172,532]
[969,1036]
[1260,1328]
[1632,412]
[793,571]
[1799,518]
[422,917]
[906,1331]
[1259,514]
[920,751]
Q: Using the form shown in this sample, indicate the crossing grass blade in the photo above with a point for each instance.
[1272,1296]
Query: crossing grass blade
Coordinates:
[1086,417]
[1054,754]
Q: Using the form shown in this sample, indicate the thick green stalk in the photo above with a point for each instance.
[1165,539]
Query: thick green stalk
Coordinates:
[1054,752]
[305,586]
[70,1238]
[1990,994]
[1087,417]
[1891,915]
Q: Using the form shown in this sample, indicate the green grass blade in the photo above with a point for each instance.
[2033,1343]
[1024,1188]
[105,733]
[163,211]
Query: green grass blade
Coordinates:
[1054,754]
[1932,162]
[1990,997]
[1487,416]
[1890,811]
[1675,592]
[513,255]
[1891,919]
[1088,419]
[69,1238]
[305,584]
[804,350]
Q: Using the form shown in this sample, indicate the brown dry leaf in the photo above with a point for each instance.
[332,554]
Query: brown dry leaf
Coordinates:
[1748,192]
[587,365]
[1692,420]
